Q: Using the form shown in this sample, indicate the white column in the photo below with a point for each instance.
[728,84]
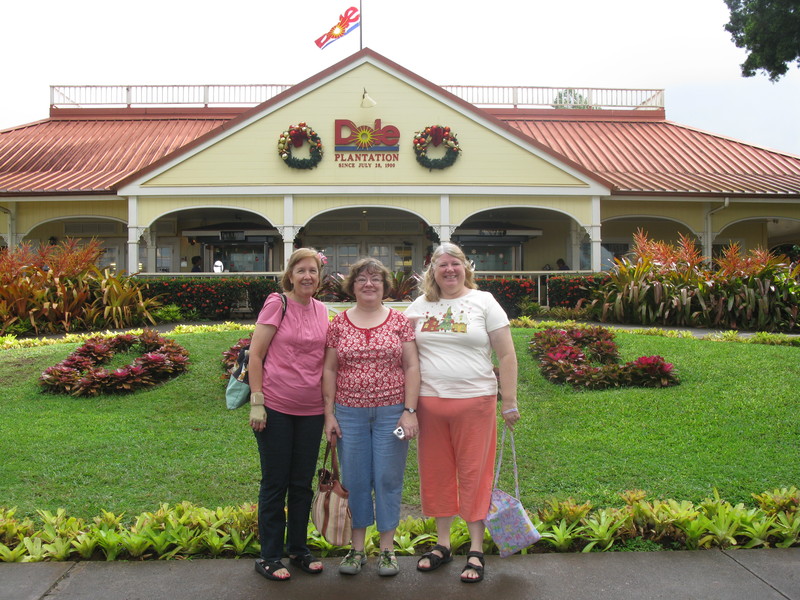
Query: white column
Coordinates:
[444,230]
[134,233]
[574,250]
[288,232]
[10,236]
[595,236]
[152,249]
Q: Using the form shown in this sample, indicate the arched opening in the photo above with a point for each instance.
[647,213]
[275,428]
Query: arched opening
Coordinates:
[399,239]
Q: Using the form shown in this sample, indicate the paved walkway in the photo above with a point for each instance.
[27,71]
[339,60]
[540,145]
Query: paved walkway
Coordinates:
[767,574]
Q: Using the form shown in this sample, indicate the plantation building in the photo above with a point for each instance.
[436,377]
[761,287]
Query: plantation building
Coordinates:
[519,177]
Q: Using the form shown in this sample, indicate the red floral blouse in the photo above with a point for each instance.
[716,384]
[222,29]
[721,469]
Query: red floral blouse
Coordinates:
[370,369]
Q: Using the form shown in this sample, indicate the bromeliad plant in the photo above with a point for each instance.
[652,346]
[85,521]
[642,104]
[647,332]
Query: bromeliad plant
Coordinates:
[185,530]
[664,284]
[59,288]
[587,358]
[82,374]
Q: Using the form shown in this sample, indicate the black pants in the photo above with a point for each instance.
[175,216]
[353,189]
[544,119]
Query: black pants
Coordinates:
[288,447]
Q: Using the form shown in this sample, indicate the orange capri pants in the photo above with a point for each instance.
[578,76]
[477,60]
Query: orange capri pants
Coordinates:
[456,450]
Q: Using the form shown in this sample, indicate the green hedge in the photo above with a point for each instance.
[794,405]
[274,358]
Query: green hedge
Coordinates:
[509,292]
[568,290]
[213,298]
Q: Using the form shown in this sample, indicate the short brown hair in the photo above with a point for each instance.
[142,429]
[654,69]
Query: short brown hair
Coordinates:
[296,257]
[368,265]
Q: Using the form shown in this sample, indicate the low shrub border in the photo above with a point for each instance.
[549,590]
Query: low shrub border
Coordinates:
[568,291]
[566,355]
[212,298]
[186,530]
[81,373]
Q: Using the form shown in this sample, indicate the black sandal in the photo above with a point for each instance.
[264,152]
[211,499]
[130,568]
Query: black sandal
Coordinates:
[476,568]
[304,562]
[435,560]
[267,569]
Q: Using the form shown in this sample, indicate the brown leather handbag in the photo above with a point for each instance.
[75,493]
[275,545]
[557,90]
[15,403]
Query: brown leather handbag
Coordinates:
[330,510]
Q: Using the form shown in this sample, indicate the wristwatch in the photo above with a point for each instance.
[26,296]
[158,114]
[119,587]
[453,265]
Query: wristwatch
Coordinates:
[411,410]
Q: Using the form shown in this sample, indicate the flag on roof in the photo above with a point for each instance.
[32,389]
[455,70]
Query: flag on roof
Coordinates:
[348,21]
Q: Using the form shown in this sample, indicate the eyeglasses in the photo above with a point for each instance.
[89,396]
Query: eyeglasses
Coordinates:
[372,280]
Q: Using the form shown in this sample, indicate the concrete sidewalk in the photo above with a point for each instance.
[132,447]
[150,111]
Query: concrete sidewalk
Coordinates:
[767,574]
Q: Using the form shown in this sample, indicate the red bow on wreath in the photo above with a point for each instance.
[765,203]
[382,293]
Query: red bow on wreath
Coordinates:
[298,137]
[437,135]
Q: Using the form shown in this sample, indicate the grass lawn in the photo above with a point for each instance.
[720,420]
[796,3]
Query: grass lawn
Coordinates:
[731,424]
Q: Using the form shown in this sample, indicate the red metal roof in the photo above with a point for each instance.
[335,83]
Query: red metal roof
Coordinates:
[89,151]
[641,154]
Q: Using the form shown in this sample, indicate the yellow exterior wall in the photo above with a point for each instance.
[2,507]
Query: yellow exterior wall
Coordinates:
[308,207]
[153,207]
[740,211]
[691,214]
[660,230]
[31,214]
[250,157]
[750,235]
[577,207]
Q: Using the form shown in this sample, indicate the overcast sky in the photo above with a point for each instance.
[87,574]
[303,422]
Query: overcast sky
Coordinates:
[679,45]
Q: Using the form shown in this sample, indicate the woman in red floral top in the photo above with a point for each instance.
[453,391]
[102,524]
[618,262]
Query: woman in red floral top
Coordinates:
[371,376]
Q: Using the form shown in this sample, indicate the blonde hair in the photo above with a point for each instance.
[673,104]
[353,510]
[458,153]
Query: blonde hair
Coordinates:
[429,287]
[296,257]
[367,265]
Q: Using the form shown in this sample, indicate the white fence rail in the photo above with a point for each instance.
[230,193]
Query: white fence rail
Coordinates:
[75,96]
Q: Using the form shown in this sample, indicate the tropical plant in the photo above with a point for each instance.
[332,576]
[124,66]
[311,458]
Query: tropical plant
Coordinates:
[403,285]
[662,284]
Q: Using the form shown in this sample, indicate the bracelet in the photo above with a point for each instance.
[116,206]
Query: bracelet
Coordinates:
[510,410]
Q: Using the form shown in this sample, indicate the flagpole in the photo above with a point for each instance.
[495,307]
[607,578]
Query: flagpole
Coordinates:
[360,29]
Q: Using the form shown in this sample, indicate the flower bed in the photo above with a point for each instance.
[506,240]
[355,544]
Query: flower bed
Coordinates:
[567,356]
[80,374]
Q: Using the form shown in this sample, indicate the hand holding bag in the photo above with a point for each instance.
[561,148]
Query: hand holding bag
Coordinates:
[507,521]
[330,510]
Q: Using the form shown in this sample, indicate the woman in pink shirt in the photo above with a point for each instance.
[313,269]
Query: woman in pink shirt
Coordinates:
[286,413]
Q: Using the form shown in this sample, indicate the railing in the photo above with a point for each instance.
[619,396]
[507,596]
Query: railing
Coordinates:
[79,96]
[74,96]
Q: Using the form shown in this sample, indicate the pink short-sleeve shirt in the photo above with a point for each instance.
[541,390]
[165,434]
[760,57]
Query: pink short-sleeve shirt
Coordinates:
[293,366]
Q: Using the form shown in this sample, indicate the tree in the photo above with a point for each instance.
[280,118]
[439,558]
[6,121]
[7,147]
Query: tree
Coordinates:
[770,31]
[570,98]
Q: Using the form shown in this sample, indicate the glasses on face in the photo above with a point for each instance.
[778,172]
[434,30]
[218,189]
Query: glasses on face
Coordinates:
[361,280]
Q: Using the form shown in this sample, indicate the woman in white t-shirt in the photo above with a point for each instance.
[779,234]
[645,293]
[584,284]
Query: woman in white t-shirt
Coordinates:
[457,329]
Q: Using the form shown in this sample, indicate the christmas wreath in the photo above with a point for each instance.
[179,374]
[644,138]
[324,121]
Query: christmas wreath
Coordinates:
[80,374]
[295,136]
[436,135]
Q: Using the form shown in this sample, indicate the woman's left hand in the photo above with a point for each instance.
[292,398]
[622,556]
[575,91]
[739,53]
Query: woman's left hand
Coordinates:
[409,424]
[510,415]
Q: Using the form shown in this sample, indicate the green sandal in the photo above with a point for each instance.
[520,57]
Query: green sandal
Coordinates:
[352,563]
[387,564]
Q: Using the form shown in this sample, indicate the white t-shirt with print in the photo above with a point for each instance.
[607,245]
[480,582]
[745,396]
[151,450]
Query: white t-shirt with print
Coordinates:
[455,356]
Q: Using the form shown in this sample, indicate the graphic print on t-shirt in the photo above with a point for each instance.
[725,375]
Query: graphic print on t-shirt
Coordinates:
[445,323]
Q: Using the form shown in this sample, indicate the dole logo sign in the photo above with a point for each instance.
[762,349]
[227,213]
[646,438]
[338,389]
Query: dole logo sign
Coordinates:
[363,138]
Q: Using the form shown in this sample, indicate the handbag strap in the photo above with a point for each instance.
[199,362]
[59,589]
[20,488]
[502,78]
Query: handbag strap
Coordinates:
[330,448]
[500,461]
